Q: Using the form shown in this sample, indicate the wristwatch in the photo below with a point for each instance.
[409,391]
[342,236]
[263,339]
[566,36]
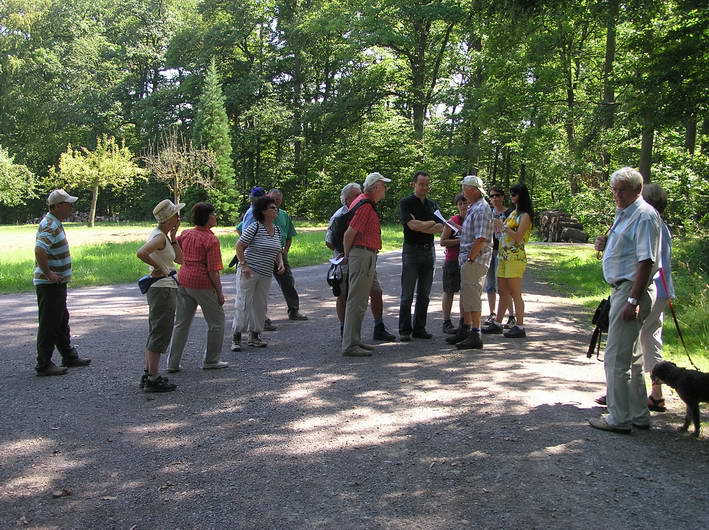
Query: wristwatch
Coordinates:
[632,301]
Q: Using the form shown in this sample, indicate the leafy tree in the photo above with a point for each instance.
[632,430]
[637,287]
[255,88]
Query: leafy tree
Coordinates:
[109,165]
[17,183]
[211,131]
[174,162]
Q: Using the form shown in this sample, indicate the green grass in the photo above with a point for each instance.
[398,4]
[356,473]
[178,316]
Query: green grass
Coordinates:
[105,254]
[575,271]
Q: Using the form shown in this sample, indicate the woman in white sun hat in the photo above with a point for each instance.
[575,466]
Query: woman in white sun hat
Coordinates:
[161,252]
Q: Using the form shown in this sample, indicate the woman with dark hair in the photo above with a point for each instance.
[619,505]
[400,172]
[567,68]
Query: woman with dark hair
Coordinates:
[199,286]
[499,211]
[513,260]
[259,251]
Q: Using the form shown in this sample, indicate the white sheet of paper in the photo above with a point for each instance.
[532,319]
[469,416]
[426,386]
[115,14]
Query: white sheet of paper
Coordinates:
[336,261]
[438,214]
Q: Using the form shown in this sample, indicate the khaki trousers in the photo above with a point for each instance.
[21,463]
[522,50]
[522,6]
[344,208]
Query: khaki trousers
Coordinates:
[251,302]
[362,266]
[187,301]
[626,394]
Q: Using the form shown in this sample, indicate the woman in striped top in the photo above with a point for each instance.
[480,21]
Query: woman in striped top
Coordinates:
[259,251]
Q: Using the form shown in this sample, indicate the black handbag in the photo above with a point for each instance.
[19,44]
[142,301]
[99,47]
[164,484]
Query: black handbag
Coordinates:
[601,319]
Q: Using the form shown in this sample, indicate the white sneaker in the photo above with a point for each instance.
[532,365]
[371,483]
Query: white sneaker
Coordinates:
[215,366]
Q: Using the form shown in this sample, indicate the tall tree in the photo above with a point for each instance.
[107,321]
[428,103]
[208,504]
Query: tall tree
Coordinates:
[17,183]
[211,131]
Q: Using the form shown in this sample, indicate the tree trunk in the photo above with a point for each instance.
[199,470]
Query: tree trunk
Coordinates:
[494,164]
[608,104]
[94,200]
[705,136]
[690,134]
[648,137]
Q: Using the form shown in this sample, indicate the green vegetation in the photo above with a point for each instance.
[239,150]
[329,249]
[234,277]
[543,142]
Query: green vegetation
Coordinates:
[106,254]
[576,271]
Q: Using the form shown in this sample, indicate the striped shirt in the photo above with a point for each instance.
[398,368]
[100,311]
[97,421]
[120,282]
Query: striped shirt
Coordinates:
[634,237]
[261,248]
[477,225]
[52,239]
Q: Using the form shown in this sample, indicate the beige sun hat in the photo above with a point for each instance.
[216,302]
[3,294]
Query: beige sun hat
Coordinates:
[373,178]
[59,196]
[166,209]
[475,182]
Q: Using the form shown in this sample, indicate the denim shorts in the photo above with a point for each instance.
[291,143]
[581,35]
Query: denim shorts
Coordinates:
[451,276]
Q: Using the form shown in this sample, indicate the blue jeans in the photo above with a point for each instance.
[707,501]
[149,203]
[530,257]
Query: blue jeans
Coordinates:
[418,263]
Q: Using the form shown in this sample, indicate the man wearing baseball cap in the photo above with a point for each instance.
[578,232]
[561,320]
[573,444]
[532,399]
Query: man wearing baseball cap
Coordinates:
[362,241]
[474,259]
[51,275]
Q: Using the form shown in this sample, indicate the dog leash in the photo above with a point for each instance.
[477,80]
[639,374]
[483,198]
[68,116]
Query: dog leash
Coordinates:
[674,317]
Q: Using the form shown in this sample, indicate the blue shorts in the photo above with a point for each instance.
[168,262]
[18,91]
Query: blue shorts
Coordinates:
[491,279]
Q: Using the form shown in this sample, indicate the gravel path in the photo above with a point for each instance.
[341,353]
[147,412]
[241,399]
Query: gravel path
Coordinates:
[295,435]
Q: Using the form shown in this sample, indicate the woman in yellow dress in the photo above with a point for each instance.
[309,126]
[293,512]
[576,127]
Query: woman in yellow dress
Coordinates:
[512,260]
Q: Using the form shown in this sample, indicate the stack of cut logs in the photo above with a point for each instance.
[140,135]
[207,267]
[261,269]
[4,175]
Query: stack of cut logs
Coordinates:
[559,226]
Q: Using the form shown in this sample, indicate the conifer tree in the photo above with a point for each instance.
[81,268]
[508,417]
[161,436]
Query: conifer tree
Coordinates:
[211,131]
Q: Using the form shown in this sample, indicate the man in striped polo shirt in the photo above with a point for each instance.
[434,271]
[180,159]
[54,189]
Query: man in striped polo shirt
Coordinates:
[51,275]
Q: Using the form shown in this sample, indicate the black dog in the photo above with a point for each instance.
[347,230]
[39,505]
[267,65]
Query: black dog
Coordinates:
[691,385]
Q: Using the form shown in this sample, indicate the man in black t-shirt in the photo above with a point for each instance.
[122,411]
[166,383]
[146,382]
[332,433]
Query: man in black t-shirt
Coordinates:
[418,257]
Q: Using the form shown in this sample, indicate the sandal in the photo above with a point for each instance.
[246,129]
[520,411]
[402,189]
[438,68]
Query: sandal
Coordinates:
[656,405]
[601,400]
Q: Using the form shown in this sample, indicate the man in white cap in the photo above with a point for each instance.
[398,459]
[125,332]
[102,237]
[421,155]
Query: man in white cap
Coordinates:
[474,258]
[51,275]
[362,241]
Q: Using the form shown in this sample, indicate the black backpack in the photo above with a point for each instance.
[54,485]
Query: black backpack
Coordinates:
[341,222]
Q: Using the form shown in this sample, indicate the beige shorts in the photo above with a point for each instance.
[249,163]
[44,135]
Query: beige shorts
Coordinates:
[472,279]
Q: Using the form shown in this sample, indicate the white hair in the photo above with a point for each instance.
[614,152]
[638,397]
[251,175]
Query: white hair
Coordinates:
[628,175]
[347,190]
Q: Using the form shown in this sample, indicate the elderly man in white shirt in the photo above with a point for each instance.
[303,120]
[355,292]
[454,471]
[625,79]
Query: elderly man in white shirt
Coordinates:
[630,260]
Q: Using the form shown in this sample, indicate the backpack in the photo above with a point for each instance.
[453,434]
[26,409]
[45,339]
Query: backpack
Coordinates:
[341,222]
[601,319]
[334,278]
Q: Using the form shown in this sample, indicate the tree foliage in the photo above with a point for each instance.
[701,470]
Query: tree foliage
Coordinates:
[17,183]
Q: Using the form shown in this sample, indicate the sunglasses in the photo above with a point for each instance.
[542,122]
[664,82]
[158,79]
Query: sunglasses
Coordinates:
[493,195]
[513,194]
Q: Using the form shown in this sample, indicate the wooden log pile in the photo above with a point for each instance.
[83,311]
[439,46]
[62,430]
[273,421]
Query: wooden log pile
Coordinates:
[558,226]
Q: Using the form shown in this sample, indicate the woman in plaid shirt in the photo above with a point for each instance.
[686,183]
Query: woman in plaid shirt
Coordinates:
[199,286]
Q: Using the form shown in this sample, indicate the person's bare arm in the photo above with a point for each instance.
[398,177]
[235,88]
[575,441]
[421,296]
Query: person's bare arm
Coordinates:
[43,263]
[245,269]
[476,248]
[447,240]
[348,239]
[518,235]
[143,253]
[642,279]
[215,278]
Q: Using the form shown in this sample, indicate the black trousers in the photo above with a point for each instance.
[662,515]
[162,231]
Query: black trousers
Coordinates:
[53,327]
[287,285]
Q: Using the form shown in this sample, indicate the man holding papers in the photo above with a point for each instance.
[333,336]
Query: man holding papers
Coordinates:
[418,257]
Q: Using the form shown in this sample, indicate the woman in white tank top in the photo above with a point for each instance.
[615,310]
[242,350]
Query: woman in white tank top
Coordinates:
[161,252]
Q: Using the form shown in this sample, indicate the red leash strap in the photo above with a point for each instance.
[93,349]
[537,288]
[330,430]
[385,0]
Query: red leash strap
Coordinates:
[674,317]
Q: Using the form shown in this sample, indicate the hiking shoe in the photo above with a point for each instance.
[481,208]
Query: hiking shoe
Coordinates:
[515,332]
[297,316]
[236,342]
[492,328]
[404,337]
[174,370]
[356,351]
[448,328]
[49,370]
[367,347]
[75,362]
[380,333]
[472,342]
[255,341]
[159,384]
[215,366]
[460,335]
[603,425]
[143,379]
[490,319]
[268,325]
[423,334]
[511,321]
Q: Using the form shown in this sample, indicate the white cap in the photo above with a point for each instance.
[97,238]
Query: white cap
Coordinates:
[475,182]
[166,209]
[373,178]
[60,195]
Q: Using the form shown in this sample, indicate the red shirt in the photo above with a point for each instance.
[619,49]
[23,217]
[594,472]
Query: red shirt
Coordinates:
[366,222]
[452,252]
[200,254]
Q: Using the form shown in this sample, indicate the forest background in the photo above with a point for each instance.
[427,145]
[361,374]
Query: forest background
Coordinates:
[307,95]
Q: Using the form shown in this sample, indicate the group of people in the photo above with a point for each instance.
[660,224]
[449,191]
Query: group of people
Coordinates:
[484,252]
